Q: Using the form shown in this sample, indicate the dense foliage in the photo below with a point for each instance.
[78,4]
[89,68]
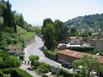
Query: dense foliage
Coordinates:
[14,72]
[53,33]
[82,49]
[10,39]
[43,68]
[7,60]
[8,19]
[87,64]
[19,20]
[34,60]
[51,54]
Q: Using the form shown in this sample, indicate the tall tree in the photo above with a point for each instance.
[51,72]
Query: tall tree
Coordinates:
[2,7]
[49,36]
[61,31]
[19,20]
[8,17]
[53,32]
[46,21]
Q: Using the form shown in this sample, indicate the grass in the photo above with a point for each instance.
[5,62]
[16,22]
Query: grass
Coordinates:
[24,34]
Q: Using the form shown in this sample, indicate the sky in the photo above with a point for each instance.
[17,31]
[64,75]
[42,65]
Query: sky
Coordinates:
[35,11]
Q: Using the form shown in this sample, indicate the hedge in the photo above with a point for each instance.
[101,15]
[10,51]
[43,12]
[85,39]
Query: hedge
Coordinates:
[50,54]
[16,72]
[82,49]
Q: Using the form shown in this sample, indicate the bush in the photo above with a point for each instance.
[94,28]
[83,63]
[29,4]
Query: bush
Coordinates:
[36,64]
[16,72]
[82,49]
[43,68]
[33,58]
[67,74]
[55,70]
[21,57]
[7,60]
[50,54]
[13,61]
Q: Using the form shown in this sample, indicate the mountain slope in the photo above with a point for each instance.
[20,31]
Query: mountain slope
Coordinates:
[94,21]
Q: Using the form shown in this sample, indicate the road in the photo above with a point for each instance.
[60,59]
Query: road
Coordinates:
[34,49]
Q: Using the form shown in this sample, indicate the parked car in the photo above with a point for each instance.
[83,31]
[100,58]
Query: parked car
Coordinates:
[62,46]
[67,65]
[100,74]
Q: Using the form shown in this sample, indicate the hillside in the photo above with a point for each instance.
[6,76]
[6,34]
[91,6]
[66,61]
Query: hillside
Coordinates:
[24,34]
[94,21]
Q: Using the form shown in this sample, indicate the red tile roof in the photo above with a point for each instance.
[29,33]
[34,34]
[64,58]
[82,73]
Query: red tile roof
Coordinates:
[78,55]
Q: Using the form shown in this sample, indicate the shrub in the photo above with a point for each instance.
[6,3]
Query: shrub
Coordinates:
[36,64]
[7,60]
[21,57]
[13,61]
[50,54]
[33,58]
[55,70]
[16,72]
[67,74]
[82,49]
[43,68]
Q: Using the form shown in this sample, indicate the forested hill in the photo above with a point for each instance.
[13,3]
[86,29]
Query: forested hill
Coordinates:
[95,21]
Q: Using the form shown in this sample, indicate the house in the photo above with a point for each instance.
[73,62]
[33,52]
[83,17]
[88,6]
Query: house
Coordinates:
[76,40]
[14,49]
[68,56]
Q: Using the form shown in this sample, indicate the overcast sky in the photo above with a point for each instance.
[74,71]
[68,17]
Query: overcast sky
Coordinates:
[35,11]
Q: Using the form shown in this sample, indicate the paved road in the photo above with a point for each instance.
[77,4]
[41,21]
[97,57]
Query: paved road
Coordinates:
[34,49]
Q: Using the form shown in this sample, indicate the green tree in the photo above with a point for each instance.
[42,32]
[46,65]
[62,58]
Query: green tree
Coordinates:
[43,68]
[19,20]
[88,64]
[61,31]
[53,33]
[47,21]
[48,33]
[13,61]
[73,31]
[33,59]
[3,42]
[7,15]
